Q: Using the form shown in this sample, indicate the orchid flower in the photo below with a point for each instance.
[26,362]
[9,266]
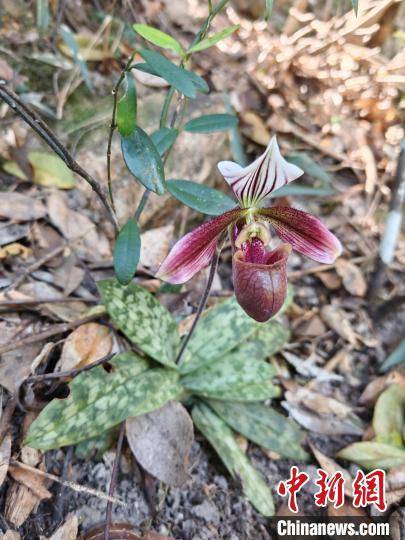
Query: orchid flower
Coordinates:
[259,273]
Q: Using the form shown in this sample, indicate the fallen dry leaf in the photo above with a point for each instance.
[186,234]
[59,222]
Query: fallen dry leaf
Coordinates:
[67,531]
[331,280]
[10,535]
[29,479]
[88,343]
[352,277]
[336,319]
[155,245]
[78,229]
[20,207]
[5,453]
[161,442]
[331,467]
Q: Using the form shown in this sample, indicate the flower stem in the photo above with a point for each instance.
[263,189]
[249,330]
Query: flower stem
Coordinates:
[141,204]
[203,301]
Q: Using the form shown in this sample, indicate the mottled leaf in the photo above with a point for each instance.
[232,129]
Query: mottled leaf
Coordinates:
[220,330]
[224,327]
[159,38]
[100,400]
[249,393]
[211,122]
[143,160]
[95,448]
[143,319]
[126,107]
[161,442]
[164,138]
[239,466]
[214,39]
[127,251]
[373,455]
[228,374]
[264,426]
[199,197]
[388,419]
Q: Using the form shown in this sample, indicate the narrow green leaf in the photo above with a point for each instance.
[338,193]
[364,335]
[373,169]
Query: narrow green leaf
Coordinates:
[264,426]
[388,418]
[239,466]
[311,168]
[69,38]
[214,39]
[373,455]
[397,357]
[219,331]
[143,319]
[164,138]
[202,198]
[126,107]
[228,374]
[143,160]
[159,38]
[127,251]
[301,189]
[211,122]
[199,82]
[43,15]
[183,80]
[100,400]
[355,5]
[269,9]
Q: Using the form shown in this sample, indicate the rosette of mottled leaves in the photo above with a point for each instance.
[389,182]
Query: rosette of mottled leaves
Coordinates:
[224,377]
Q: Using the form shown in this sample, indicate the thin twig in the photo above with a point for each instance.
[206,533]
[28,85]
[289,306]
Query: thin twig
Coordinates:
[39,126]
[35,265]
[68,483]
[203,301]
[52,331]
[113,482]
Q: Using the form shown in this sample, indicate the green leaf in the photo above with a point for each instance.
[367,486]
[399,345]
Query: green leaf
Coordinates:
[43,15]
[397,357]
[183,80]
[224,328]
[202,198]
[268,10]
[97,446]
[248,393]
[229,374]
[159,38]
[127,251]
[214,39]
[70,40]
[143,160]
[211,122]
[388,419]
[49,170]
[126,108]
[239,466]
[355,5]
[310,167]
[164,138]
[219,331]
[301,189]
[264,426]
[373,455]
[100,400]
[143,319]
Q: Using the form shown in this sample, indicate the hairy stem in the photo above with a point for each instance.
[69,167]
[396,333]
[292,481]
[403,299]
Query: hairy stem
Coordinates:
[39,126]
[201,306]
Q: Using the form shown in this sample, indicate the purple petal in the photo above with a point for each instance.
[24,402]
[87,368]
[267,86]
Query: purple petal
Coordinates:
[267,173]
[304,232]
[261,289]
[196,249]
